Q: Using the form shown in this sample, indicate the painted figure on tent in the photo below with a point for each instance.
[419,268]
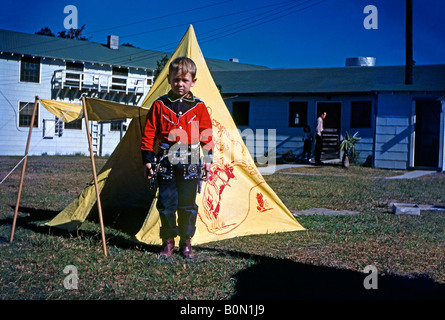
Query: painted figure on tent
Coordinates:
[220,179]
[179,124]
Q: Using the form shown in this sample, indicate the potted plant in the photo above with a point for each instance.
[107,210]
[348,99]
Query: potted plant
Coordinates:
[347,145]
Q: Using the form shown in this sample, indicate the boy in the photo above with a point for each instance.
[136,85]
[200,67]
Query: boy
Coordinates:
[180,123]
[307,146]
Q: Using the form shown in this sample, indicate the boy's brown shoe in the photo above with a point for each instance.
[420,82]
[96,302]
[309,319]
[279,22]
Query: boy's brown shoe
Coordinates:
[186,249]
[169,247]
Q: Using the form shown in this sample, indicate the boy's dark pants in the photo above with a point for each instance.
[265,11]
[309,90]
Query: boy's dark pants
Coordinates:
[307,149]
[177,194]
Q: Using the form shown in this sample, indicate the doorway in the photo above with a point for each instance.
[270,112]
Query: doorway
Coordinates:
[427,134]
[331,126]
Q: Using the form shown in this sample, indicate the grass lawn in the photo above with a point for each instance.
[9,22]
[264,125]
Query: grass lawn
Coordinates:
[325,261]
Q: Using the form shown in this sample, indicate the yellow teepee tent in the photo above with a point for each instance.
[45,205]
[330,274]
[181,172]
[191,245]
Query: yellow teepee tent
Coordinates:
[237,201]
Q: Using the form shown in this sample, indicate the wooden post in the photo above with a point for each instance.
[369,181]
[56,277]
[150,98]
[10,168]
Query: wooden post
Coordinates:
[93,166]
[22,177]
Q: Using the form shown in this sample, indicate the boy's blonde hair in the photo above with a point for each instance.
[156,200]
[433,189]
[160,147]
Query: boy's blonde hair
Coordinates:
[182,65]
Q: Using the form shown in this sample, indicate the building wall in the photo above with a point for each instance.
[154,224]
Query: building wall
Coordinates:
[396,128]
[271,112]
[393,130]
[12,91]
[389,141]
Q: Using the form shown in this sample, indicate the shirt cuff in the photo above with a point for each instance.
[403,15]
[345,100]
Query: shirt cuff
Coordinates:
[147,156]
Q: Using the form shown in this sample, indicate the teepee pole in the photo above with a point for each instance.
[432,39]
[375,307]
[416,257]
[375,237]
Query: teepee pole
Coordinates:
[93,166]
[22,176]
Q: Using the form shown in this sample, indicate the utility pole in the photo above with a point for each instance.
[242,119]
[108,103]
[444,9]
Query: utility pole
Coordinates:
[409,42]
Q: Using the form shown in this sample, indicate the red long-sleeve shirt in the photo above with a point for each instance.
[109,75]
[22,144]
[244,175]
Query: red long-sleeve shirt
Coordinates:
[172,119]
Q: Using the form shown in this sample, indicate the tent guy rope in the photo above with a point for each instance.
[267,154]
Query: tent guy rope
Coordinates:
[26,155]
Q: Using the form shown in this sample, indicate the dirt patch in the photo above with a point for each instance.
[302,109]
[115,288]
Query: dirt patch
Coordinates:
[323,212]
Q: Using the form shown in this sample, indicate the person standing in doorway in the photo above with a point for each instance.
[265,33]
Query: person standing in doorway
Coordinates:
[319,137]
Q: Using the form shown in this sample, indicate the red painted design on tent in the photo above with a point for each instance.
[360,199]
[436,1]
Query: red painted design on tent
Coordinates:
[261,203]
[217,195]
[223,207]
[219,180]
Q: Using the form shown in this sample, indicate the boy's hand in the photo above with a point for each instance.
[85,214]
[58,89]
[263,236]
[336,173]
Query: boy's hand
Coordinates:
[207,171]
[148,171]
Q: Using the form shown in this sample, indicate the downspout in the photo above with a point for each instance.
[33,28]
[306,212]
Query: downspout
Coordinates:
[442,135]
[375,129]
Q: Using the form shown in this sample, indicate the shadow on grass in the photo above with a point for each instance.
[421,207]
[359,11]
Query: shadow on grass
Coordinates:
[281,279]
[29,222]
[272,278]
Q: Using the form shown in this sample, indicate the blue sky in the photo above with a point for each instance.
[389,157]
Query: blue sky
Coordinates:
[273,33]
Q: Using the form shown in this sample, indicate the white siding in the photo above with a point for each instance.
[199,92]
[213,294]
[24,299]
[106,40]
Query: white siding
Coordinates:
[393,131]
[13,138]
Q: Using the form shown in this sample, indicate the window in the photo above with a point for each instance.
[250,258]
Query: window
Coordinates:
[58,127]
[121,82]
[76,66]
[361,114]
[73,79]
[240,112]
[150,78]
[30,69]
[297,114]
[25,114]
[115,125]
[76,124]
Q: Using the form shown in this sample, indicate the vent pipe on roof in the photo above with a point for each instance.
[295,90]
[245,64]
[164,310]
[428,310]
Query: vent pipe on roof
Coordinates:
[234,60]
[113,42]
[360,62]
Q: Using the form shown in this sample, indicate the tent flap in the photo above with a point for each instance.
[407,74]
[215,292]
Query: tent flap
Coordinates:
[98,110]
[101,110]
[63,110]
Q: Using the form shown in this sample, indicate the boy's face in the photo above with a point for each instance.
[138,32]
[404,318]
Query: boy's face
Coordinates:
[181,83]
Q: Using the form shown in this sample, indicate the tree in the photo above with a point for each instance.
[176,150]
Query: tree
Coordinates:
[70,34]
[73,34]
[128,44]
[347,145]
[160,64]
[46,32]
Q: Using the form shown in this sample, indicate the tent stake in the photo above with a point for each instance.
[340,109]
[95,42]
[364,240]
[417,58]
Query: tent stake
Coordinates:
[93,166]
[22,176]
